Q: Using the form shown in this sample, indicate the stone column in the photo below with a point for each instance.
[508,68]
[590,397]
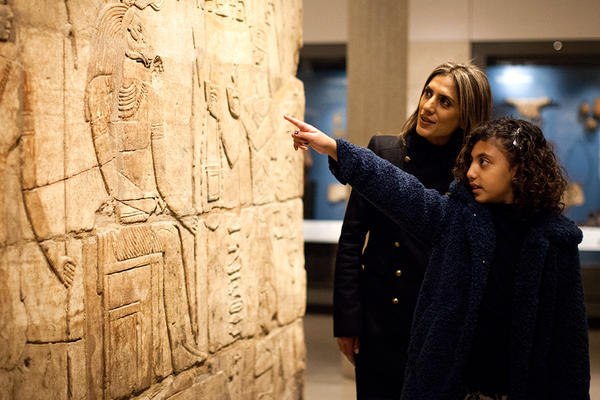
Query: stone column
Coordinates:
[377,67]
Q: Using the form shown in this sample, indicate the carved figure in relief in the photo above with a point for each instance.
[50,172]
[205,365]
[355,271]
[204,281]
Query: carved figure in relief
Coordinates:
[226,164]
[128,135]
[17,106]
[6,20]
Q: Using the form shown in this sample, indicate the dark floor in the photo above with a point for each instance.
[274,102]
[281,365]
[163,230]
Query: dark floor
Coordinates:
[325,372]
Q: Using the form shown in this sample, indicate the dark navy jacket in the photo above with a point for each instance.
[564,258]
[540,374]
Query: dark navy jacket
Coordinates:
[375,292]
[549,343]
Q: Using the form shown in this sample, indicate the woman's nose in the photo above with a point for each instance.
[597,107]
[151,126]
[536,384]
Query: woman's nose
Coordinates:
[429,105]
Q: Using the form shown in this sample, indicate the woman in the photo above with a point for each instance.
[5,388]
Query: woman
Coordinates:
[375,291]
[501,312]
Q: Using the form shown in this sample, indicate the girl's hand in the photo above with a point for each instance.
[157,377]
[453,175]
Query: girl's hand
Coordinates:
[308,135]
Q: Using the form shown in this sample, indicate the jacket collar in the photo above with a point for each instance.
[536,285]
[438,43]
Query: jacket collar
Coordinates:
[557,228]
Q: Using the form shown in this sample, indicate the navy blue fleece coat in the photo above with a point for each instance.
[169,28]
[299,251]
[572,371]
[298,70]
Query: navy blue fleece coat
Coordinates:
[549,357]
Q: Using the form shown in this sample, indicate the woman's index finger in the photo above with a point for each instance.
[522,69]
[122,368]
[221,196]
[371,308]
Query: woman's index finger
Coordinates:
[300,124]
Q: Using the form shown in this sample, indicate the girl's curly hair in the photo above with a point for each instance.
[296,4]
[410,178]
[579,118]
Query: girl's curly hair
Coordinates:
[539,181]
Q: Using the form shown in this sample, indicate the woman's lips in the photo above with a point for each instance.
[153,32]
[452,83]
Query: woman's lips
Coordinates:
[427,121]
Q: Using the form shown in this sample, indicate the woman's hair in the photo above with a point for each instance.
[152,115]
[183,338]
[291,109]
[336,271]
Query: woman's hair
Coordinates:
[474,95]
[539,181]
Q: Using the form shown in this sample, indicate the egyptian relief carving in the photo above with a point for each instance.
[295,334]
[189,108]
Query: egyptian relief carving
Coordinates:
[166,260]
[6,21]
[138,268]
[235,9]
[125,139]
[228,298]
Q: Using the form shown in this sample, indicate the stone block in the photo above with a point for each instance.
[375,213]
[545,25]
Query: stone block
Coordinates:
[44,297]
[206,386]
[79,148]
[13,316]
[52,16]
[48,152]
[85,194]
[45,372]
[76,295]
[46,209]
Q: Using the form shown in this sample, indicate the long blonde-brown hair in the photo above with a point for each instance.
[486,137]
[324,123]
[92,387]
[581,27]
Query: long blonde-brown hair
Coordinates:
[474,95]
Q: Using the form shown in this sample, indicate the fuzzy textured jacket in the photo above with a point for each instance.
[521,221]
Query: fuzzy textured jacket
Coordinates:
[549,356]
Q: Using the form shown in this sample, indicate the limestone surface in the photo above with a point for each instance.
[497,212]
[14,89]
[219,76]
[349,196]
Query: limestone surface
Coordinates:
[150,232]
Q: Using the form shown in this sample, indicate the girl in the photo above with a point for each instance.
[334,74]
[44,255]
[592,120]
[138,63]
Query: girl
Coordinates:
[375,290]
[501,311]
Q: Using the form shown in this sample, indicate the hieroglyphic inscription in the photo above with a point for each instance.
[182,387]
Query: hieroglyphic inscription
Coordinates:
[227,296]
[6,21]
[234,9]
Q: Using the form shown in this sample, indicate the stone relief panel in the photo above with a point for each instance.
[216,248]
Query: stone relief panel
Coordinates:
[150,239]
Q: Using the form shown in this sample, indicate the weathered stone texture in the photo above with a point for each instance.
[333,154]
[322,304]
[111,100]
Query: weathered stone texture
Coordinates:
[150,229]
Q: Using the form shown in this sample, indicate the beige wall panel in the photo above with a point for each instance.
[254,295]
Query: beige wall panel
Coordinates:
[535,20]
[325,21]
[431,20]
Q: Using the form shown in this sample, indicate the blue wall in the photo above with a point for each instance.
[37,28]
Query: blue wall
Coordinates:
[325,93]
[568,88]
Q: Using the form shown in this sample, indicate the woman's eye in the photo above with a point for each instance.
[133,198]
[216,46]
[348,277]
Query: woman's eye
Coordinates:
[445,103]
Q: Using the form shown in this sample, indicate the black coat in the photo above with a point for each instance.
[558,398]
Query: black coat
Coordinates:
[549,356]
[375,291]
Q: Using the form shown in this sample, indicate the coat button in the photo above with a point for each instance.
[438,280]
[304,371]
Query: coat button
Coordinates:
[395,300]
[406,159]
[397,244]
[362,267]
[398,272]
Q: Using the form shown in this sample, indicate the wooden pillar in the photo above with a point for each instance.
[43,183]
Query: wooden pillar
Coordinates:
[377,67]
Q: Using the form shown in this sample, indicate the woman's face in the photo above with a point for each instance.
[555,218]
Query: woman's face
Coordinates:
[438,110]
[490,174]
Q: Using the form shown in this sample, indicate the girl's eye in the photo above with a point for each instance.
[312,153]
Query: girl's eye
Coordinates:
[483,161]
[427,93]
[445,103]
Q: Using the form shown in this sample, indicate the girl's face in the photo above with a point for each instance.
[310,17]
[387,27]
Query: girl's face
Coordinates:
[438,112]
[490,175]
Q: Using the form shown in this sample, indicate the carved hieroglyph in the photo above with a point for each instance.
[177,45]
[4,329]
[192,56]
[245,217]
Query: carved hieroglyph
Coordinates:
[150,239]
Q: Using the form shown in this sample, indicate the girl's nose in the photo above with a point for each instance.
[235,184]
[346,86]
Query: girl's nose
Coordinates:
[471,175]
